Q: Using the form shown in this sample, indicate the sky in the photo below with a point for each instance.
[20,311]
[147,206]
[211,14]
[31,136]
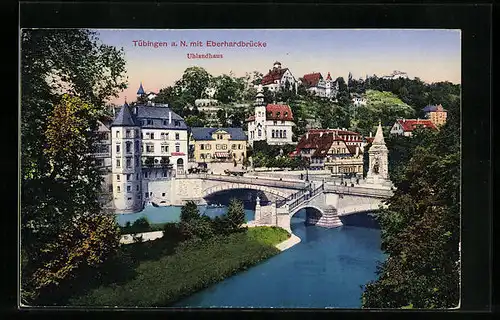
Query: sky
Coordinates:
[431,54]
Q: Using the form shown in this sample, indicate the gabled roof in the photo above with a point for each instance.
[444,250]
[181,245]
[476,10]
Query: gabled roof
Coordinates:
[409,125]
[125,118]
[311,79]
[273,75]
[200,133]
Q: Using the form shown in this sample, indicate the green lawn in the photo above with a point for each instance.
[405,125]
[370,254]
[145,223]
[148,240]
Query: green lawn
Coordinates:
[164,276]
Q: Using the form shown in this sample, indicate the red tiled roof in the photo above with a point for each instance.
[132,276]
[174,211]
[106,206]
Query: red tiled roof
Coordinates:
[369,139]
[320,141]
[411,124]
[273,75]
[279,112]
[311,79]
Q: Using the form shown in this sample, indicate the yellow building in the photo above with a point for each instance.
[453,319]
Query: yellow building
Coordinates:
[218,145]
[437,114]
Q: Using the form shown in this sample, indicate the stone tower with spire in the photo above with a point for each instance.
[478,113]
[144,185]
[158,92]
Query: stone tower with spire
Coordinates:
[378,172]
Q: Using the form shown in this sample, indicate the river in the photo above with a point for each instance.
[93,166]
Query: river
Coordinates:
[325,270]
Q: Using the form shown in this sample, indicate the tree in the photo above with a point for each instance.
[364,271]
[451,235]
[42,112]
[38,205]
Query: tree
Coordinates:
[229,89]
[192,85]
[189,212]
[421,229]
[221,116]
[235,215]
[61,198]
[194,121]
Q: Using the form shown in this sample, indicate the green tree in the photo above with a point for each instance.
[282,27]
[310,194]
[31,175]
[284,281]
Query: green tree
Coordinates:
[235,215]
[192,85]
[194,121]
[189,212]
[229,89]
[60,187]
[421,229]
[222,118]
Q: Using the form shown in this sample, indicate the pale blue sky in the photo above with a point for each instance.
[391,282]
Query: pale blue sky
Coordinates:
[432,55]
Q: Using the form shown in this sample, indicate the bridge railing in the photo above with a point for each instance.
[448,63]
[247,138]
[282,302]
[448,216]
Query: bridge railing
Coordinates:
[359,191]
[248,180]
[303,195]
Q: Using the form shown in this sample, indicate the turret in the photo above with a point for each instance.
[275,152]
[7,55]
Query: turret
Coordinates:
[126,164]
[378,172]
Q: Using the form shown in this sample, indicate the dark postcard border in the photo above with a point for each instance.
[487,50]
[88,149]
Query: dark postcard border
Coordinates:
[473,20]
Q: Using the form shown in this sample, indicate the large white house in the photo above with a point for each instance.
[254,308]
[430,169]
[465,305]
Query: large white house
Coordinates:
[277,78]
[147,143]
[320,87]
[272,122]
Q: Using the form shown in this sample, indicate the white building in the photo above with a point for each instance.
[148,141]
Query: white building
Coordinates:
[320,87]
[396,74]
[358,100]
[405,127]
[272,122]
[277,78]
[147,143]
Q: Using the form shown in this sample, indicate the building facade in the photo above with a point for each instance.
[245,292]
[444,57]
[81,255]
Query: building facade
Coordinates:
[405,127]
[315,84]
[272,122]
[277,78]
[209,145]
[147,143]
[437,114]
[396,75]
[336,150]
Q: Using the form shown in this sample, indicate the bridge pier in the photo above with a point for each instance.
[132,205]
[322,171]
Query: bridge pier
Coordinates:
[328,219]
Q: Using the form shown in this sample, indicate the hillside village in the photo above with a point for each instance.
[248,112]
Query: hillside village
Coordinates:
[276,121]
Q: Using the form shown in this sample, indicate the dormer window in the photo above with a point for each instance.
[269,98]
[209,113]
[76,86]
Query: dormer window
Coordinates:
[286,114]
[149,122]
[164,122]
[277,114]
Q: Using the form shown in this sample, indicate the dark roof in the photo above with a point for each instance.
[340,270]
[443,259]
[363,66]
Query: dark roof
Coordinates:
[431,108]
[200,133]
[125,118]
[311,79]
[273,75]
[141,89]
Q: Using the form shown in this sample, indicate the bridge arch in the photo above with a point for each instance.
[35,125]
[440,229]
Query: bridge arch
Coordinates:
[294,211]
[234,186]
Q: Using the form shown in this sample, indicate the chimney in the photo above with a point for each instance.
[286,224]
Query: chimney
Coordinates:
[135,110]
[357,150]
[170,117]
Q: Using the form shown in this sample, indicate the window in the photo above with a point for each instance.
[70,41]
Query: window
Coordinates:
[284,133]
[208,156]
[128,147]
[150,122]
[163,194]
[208,147]
[117,177]
[278,114]
[118,189]
[136,133]
[275,122]
[117,134]
[118,163]
[224,147]
[136,145]
[218,147]
[128,188]
[202,147]
[137,188]
[282,121]
[177,136]
[145,195]
[286,115]
[202,156]
[139,196]
[272,134]
[127,134]
[260,132]
[177,148]
[150,148]
[117,148]
[128,177]
[136,176]
[177,123]
[164,149]
[233,146]
[152,135]
[219,136]
[129,162]
[164,122]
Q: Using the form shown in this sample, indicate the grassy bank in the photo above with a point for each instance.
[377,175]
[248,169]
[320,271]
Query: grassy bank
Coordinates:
[165,275]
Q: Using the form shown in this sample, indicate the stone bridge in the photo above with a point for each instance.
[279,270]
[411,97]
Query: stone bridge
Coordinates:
[324,202]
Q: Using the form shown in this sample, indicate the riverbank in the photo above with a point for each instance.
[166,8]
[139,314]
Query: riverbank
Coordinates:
[165,275]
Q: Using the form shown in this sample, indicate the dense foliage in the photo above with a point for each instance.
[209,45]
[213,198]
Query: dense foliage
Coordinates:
[66,78]
[164,275]
[421,228]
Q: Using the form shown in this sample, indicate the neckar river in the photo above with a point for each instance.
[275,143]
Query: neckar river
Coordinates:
[325,270]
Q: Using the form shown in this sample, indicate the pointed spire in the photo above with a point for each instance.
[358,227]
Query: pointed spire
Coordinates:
[141,90]
[328,77]
[379,135]
[124,118]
